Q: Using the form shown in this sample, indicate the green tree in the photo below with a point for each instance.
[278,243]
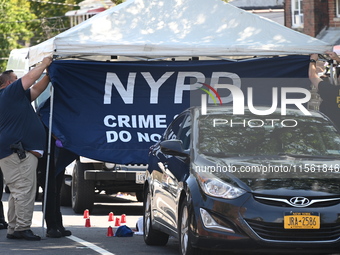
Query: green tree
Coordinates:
[14,17]
[26,23]
[51,19]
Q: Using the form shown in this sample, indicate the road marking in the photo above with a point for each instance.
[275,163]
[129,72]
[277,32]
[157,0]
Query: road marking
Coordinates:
[90,245]
[72,237]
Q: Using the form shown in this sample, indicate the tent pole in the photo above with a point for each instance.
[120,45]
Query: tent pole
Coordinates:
[48,158]
[331,72]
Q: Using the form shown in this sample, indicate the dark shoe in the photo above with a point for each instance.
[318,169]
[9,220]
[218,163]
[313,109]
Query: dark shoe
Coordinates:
[27,235]
[65,232]
[12,236]
[3,225]
[53,233]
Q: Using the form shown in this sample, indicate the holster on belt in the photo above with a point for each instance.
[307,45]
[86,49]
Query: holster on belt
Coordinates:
[18,149]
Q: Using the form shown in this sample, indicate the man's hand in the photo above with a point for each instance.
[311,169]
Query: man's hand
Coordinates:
[312,71]
[333,55]
[46,61]
[33,75]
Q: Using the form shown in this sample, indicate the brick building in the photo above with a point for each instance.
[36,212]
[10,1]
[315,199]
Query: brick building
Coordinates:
[317,18]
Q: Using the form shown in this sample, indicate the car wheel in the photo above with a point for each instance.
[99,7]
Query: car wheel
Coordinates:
[185,247]
[151,236]
[65,195]
[82,190]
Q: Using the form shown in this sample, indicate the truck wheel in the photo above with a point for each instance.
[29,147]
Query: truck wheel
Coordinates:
[65,195]
[82,190]
[151,236]
[140,196]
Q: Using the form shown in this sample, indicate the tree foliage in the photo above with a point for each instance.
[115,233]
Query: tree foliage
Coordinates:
[51,19]
[14,17]
[25,23]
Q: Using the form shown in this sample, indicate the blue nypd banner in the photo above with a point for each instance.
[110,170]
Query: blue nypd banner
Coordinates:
[114,111]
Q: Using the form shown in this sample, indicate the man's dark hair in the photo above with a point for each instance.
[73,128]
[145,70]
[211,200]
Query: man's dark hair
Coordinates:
[5,76]
[7,72]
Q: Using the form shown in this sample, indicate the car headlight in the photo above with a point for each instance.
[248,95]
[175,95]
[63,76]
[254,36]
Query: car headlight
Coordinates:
[213,186]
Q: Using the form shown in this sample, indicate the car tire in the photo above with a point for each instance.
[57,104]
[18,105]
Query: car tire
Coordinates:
[65,195]
[82,190]
[185,247]
[151,236]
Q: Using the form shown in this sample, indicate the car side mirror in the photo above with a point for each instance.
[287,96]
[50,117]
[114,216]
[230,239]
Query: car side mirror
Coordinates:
[173,147]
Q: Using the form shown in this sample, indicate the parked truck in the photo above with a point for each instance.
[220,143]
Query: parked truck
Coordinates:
[84,178]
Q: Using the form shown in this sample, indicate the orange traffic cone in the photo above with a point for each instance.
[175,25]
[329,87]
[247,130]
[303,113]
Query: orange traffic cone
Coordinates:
[109,231]
[111,216]
[87,222]
[123,218]
[117,223]
[86,214]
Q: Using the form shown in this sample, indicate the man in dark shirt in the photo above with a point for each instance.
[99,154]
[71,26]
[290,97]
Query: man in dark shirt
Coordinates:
[22,142]
[329,93]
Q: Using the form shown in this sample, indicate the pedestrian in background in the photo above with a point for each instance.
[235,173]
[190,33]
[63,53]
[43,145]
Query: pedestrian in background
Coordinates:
[22,142]
[329,93]
[60,158]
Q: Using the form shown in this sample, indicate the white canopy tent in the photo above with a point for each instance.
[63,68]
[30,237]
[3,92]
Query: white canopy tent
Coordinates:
[175,28]
[171,28]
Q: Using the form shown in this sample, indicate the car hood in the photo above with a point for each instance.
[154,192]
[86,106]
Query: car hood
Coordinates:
[280,175]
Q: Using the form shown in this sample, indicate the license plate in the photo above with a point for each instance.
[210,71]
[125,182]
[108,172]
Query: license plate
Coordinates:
[140,177]
[301,220]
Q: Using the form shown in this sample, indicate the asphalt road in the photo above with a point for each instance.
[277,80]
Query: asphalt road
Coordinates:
[87,240]
[90,240]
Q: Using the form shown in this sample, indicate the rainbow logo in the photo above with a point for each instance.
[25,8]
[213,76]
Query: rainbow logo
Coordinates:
[211,94]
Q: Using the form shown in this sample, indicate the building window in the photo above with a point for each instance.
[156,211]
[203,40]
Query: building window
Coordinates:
[297,13]
[338,8]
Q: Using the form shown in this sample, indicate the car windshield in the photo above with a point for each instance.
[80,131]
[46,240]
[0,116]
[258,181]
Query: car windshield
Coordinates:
[223,135]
